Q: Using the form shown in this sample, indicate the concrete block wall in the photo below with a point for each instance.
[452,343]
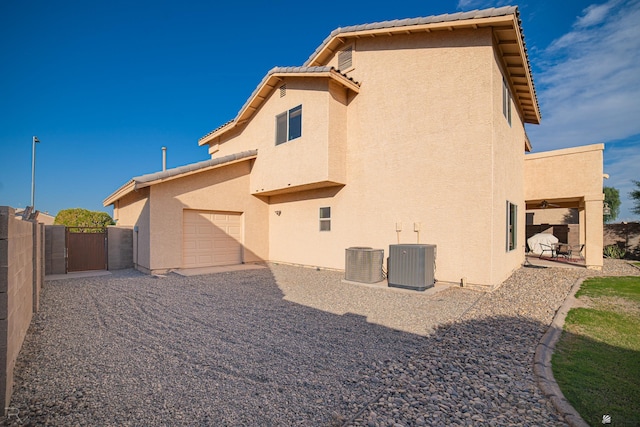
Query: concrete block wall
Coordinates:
[55,249]
[626,235]
[21,278]
[120,248]
[39,239]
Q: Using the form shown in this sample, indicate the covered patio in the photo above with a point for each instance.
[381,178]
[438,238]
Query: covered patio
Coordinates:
[571,178]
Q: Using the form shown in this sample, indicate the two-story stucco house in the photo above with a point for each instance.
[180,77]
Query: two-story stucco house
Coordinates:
[408,131]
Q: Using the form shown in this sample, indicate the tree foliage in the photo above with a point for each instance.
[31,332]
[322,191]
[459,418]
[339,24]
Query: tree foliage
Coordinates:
[612,198]
[79,217]
[635,195]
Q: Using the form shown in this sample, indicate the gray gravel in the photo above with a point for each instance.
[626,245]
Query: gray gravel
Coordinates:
[286,346]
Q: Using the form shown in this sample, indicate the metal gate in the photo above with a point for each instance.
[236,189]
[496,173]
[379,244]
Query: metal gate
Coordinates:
[86,248]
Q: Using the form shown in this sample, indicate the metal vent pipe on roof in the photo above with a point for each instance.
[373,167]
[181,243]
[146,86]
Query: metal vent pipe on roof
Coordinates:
[164,158]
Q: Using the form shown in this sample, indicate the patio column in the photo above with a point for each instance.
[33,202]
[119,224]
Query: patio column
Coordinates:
[581,222]
[593,224]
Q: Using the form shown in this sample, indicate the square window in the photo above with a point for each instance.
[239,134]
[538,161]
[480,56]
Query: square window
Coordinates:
[325,219]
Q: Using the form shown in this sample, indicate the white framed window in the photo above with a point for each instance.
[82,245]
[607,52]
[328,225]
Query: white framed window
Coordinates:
[325,219]
[289,125]
[512,226]
[506,101]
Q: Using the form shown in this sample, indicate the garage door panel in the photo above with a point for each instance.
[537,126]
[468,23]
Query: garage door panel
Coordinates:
[211,238]
[234,232]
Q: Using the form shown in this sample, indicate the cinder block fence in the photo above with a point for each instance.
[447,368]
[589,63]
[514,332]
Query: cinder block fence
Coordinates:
[21,278]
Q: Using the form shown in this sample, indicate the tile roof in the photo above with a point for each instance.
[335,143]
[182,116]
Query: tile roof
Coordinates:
[447,17]
[532,113]
[510,41]
[193,167]
[149,179]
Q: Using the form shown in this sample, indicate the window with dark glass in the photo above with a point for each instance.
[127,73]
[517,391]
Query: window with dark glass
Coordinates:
[512,226]
[506,101]
[289,125]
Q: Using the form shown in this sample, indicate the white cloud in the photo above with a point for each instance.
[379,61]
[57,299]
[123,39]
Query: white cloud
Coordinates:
[595,14]
[589,89]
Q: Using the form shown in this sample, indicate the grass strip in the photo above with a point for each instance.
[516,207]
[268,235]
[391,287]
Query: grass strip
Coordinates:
[597,359]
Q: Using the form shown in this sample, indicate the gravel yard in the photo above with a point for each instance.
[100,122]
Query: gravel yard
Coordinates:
[286,346]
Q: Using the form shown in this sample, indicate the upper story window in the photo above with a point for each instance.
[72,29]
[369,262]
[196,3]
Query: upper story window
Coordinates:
[345,58]
[289,125]
[506,101]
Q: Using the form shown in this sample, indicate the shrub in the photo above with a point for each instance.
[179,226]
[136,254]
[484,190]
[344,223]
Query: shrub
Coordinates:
[614,251]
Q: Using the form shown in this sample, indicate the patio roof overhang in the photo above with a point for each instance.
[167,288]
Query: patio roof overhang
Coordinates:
[560,203]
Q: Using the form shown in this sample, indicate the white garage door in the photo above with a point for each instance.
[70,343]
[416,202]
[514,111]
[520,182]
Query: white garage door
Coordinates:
[211,238]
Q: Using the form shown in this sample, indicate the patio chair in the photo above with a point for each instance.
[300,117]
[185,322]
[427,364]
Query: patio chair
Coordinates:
[577,250]
[563,250]
[551,248]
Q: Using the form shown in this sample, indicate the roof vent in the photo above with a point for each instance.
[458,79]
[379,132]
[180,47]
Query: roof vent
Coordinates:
[283,90]
[345,58]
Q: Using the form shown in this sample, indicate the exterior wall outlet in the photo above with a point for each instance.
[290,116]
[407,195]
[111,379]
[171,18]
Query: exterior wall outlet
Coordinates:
[398,226]
[417,226]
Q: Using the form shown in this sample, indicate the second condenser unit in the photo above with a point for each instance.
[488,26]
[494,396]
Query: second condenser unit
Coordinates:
[364,264]
[411,266]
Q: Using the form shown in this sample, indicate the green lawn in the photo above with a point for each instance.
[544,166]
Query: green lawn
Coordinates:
[597,359]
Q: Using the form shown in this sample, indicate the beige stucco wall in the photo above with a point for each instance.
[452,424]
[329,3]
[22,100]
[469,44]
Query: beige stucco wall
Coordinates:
[426,143]
[508,182]
[566,173]
[132,210]
[222,189]
[318,153]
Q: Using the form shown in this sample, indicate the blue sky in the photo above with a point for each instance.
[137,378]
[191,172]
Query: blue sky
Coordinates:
[105,84]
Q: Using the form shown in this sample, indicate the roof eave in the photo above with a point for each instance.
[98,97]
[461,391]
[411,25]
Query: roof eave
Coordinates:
[520,75]
[120,193]
[268,84]
[176,173]
[338,39]
[192,172]
[520,79]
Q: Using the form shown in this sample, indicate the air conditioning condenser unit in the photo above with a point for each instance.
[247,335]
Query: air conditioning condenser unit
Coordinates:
[363,264]
[411,266]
